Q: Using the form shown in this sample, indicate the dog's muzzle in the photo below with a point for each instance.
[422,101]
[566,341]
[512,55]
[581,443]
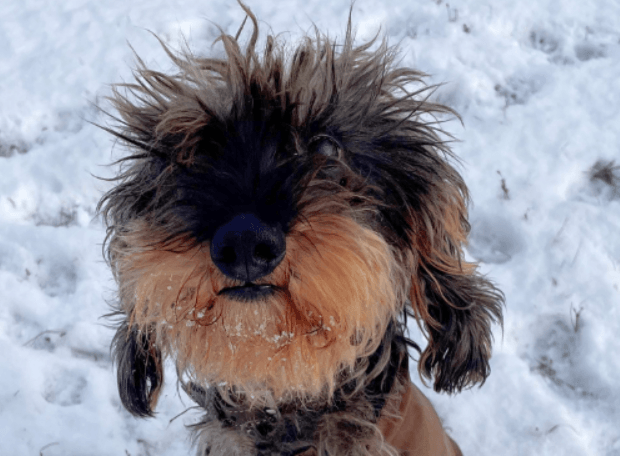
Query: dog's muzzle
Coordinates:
[246,249]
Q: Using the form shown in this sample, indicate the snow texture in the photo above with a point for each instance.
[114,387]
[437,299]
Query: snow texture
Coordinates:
[537,84]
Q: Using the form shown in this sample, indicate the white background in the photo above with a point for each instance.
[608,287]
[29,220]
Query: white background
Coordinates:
[538,86]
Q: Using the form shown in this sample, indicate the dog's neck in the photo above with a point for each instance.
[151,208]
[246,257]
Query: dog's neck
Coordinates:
[290,428]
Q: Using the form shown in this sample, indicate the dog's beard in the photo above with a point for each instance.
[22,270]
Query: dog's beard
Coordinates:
[334,294]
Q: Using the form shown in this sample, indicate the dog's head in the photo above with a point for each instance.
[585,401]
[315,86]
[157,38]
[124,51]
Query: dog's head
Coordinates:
[278,212]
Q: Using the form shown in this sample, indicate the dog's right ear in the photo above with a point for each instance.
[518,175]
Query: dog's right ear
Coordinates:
[140,372]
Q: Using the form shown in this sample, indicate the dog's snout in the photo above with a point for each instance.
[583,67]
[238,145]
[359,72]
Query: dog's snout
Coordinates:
[246,248]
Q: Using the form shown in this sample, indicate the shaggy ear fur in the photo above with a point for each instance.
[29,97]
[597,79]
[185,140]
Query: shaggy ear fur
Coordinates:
[139,370]
[456,304]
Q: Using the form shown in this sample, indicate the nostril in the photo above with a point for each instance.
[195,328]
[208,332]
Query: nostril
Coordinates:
[264,252]
[228,255]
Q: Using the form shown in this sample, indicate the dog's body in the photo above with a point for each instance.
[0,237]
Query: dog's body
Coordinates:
[280,219]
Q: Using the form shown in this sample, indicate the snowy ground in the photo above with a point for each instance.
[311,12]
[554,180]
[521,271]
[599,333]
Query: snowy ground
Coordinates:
[538,87]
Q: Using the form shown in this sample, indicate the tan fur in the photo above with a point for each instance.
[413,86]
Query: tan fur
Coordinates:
[338,287]
[441,246]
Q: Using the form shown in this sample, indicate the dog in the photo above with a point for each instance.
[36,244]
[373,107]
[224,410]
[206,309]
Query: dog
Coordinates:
[280,217]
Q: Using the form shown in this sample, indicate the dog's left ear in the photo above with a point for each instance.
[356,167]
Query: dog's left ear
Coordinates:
[140,372]
[456,304]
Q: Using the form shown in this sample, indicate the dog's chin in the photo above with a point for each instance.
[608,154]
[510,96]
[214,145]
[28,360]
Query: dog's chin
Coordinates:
[249,292]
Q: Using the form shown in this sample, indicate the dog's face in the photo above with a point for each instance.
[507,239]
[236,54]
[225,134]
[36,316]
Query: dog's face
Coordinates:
[277,214]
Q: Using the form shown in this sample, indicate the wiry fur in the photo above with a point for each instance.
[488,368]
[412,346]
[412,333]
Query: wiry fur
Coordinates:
[339,148]
[296,342]
[346,426]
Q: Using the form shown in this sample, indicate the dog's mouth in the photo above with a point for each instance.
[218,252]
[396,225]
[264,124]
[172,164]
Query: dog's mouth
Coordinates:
[249,291]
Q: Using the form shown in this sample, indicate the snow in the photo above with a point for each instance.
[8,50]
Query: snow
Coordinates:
[537,85]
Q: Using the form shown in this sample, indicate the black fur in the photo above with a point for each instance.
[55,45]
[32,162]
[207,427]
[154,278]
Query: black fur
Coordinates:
[139,370]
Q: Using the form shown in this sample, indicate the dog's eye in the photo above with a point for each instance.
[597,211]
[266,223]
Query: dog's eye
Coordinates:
[325,145]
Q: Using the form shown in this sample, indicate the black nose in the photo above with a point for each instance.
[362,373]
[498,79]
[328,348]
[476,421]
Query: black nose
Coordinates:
[246,248]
